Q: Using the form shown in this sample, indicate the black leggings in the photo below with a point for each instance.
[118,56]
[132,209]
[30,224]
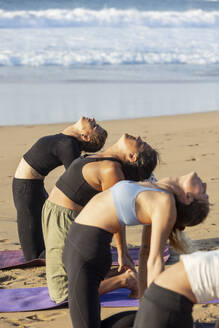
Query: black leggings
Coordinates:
[29,196]
[163,308]
[120,320]
[87,259]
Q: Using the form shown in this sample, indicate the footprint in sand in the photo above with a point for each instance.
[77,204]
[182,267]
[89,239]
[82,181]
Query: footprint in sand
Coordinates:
[193,145]
[169,134]
[16,323]
[205,305]
[208,154]
[9,323]
[34,317]
[6,278]
[42,275]
[193,159]
[4,240]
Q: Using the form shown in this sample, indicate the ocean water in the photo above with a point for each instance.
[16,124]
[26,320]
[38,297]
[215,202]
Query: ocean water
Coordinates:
[108,59]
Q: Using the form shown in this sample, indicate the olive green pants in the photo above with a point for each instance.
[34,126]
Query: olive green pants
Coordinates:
[56,222]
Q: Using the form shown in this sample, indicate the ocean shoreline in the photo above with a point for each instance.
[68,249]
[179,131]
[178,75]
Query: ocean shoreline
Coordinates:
[113,120]
[51,103]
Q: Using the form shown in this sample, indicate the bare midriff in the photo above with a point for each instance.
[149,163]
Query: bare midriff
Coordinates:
[175,278]
[25,171]
[59,198]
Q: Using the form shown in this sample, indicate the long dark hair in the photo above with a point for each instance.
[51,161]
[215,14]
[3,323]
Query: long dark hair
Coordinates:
[97,141]
[187,216]
[143,167]
[192,214]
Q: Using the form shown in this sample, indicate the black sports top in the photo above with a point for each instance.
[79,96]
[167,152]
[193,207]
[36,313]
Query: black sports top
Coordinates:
[73,184]
[52,151]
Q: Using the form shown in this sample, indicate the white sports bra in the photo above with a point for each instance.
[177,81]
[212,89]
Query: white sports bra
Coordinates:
[203,272]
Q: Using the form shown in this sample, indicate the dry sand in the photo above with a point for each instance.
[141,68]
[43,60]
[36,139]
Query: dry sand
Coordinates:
[185,143]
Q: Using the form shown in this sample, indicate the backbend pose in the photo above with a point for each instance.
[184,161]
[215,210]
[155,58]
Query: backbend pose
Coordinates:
[168,205]
[28,184]
[88,175]
[169,300]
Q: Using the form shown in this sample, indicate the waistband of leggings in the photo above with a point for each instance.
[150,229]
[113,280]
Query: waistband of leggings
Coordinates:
[28,181]
[168,299]
[98,235]
[59,208]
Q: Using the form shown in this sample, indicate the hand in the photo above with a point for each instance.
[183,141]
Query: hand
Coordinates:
[125,262]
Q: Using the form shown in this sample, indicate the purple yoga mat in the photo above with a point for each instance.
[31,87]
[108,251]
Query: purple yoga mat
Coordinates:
[134,254]
[15,259]
[26,299]
[33,299]
[118,298]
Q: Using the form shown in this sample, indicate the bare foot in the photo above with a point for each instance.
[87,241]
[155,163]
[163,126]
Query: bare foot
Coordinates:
[134,294]
[131,282]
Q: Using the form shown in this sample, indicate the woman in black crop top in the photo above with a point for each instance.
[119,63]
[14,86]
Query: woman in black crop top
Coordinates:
[128,158]
[45,155]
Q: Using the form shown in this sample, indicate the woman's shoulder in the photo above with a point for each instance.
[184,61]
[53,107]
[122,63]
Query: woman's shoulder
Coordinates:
[166,197]
[110,166]
[160,200]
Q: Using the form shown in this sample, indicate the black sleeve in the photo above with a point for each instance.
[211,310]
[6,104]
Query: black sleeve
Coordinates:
[68,151]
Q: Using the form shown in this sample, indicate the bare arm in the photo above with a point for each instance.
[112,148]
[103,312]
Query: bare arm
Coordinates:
[124,259]
[111,175]
[162,213]
[143,259]
[163,220]
[217,324]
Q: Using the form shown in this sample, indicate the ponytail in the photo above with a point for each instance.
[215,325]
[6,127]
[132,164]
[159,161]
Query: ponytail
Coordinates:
[180,242]
[187,215]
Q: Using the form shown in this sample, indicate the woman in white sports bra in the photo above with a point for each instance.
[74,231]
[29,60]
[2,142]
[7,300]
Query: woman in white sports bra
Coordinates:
[168,302]
[168,206]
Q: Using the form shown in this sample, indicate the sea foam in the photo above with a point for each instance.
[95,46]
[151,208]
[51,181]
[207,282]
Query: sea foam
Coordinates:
[107,18]
[108,37]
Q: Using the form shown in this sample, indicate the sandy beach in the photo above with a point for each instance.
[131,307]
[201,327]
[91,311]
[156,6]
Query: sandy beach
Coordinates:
[185,143]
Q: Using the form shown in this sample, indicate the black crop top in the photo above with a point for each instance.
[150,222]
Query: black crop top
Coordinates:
[73,184]
[52,151]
